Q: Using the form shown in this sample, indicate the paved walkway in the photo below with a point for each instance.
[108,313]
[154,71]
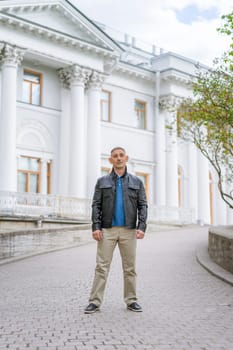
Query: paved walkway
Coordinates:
[42,300]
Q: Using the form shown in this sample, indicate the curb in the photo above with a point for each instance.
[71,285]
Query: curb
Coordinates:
[204,260]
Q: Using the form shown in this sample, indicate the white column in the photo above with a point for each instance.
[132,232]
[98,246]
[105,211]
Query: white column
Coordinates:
[94,131]
[10,57]
[44,178]
[160,161]
[159,151]
[171,163]
[77,180]
[64,145]
[203,190]
[192,187]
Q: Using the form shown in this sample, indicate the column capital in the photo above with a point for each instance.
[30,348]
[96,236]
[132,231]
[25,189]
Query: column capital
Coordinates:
[74,75]
[97,79]
[79,75]
[11,54]
[63,75]
[170,103]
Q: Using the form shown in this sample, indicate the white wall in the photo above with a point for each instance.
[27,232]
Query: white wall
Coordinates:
[138,143]
[38,135]
[122,104]
[50,84]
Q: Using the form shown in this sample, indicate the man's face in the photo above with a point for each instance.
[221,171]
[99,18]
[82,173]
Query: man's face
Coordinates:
[118,159]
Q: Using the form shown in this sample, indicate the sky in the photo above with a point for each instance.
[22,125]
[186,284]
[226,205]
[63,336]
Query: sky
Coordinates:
[186,27]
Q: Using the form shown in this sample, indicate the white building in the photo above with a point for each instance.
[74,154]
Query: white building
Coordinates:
[71,91]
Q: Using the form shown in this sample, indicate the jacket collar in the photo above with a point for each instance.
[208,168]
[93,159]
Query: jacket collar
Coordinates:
[114,175]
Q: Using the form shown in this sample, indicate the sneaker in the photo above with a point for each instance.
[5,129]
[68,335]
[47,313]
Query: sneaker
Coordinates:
[134,307]
[91,308]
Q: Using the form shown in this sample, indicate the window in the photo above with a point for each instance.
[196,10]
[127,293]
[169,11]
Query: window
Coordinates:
[144,178]
[49,177]
[105,105]
[32,83]
[29,174]
[105,171]
[140,109]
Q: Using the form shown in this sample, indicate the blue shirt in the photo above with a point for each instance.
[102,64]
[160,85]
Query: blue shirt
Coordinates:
[119,213]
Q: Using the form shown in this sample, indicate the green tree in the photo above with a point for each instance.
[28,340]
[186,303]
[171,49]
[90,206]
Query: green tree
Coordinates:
[227,28]
[207,119]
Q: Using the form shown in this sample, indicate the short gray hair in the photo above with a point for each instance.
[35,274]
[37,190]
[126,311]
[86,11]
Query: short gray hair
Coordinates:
[115,148]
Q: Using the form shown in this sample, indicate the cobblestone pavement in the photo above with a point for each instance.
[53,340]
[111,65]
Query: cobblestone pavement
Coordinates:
[42,300]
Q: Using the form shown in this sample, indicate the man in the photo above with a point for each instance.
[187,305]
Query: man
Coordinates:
[119,212]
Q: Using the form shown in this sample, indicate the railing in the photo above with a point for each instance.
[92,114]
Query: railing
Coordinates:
[37,205]
[70,207]
[171,215]
[129,40]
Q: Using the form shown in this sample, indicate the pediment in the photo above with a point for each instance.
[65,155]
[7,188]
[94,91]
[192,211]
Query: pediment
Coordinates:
[60,17]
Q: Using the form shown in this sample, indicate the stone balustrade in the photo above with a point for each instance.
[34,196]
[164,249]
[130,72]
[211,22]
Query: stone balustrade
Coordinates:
[34,204]
[51,206]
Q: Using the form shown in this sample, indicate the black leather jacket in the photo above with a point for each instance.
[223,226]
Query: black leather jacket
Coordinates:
[135,203]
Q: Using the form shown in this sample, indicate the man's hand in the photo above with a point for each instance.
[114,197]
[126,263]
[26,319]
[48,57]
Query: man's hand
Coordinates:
[140,234]
[97,235]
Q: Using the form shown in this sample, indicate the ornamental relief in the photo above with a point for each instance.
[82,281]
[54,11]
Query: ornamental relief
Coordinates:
[29,128]
[63,75]
[11,54]
[97,79]
[170,103]
[79,75]
[76,74]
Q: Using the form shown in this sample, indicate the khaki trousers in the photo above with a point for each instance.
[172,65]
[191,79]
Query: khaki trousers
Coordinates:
[126,240]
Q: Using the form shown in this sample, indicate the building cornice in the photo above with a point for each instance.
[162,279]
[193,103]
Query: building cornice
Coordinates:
[183,58]
[55,35]
[175,75]
[69,10]
[135,71]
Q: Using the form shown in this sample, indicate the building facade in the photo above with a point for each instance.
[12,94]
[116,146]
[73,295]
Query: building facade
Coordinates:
[70,91]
